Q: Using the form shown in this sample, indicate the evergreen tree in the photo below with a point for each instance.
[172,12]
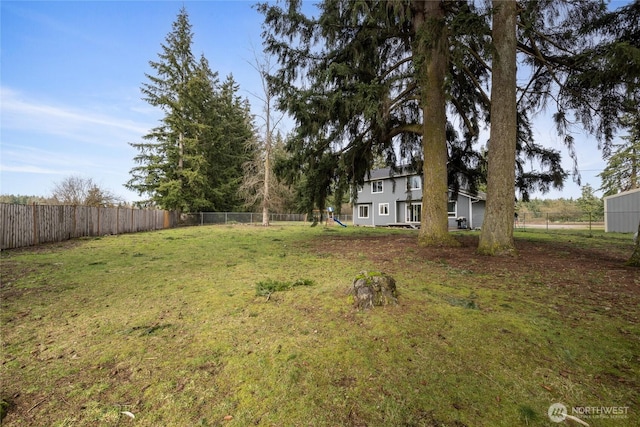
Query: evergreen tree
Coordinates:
[375,88]
[430,50]
[192,160]
[622,172]
[497,228]
[602,82]
[405,81]
[587,61]
[161,158]
[232,137]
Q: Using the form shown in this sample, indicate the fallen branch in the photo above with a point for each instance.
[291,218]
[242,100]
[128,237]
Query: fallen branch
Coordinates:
[36,405]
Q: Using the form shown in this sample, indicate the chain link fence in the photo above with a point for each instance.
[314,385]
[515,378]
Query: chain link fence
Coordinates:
[625,222]
[622,222]
[220,218]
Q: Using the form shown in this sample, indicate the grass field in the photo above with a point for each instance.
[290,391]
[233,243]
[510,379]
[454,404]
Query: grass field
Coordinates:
[173,328]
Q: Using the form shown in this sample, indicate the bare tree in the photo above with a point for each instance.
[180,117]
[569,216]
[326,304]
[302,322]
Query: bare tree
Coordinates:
[258,172]
[75,190]
[281,195]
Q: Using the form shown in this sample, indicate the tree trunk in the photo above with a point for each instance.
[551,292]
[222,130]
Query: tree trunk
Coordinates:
[634,169]
[267,177]
[432,49]
[180,152]
[634,261]
[496,237]
[268,142]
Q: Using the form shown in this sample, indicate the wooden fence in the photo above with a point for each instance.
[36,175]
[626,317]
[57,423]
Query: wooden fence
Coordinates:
[28,225]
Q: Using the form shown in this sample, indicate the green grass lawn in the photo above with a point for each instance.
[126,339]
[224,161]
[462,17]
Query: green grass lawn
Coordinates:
[174,328]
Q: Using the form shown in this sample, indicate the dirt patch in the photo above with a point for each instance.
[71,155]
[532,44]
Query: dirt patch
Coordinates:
[587,276]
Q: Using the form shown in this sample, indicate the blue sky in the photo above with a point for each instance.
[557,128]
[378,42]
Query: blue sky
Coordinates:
[71,74]
[70,86]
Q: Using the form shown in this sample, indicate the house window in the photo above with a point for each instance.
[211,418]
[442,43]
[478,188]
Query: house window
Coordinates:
[376,186]
[414,212]
[415,183]
[452,208]
[359,188]
[363,211]
[383,209]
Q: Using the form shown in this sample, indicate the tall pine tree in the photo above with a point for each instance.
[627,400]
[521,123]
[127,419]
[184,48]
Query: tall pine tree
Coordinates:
[497,229]
[405,81]
[583,58]
[376,88]
[192,160]
[231,139]
[161,157]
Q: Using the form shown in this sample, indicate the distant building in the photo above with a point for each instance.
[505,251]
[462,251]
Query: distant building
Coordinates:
[622,212]
[387,200]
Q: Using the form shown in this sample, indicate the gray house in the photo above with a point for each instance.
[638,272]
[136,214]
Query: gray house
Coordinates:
[622,212]
[396,200]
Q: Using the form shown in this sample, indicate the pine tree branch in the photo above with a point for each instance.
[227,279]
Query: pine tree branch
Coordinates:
[473,130]
[395,67]
[478,85]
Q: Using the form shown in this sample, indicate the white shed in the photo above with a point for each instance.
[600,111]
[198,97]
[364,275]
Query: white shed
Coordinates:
[622,212]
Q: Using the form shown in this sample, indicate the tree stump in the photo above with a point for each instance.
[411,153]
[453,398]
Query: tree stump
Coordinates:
[374,289]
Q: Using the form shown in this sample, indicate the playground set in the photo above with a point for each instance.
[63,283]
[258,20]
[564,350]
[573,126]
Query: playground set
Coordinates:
[329,214]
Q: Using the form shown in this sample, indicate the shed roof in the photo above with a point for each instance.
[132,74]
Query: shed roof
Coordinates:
[624,194]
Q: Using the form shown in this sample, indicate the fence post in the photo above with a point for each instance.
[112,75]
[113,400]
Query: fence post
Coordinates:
[166,223]
[225,218]
[590,234]
[75,221]
[547,221]
[201,218]
[35,224]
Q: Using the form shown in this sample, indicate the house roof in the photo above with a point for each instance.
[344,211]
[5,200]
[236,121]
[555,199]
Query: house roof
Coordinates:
[385,173]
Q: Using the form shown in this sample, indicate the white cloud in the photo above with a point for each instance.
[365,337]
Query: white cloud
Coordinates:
[43,140]
[33,169]
[22,114]
[23,153]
